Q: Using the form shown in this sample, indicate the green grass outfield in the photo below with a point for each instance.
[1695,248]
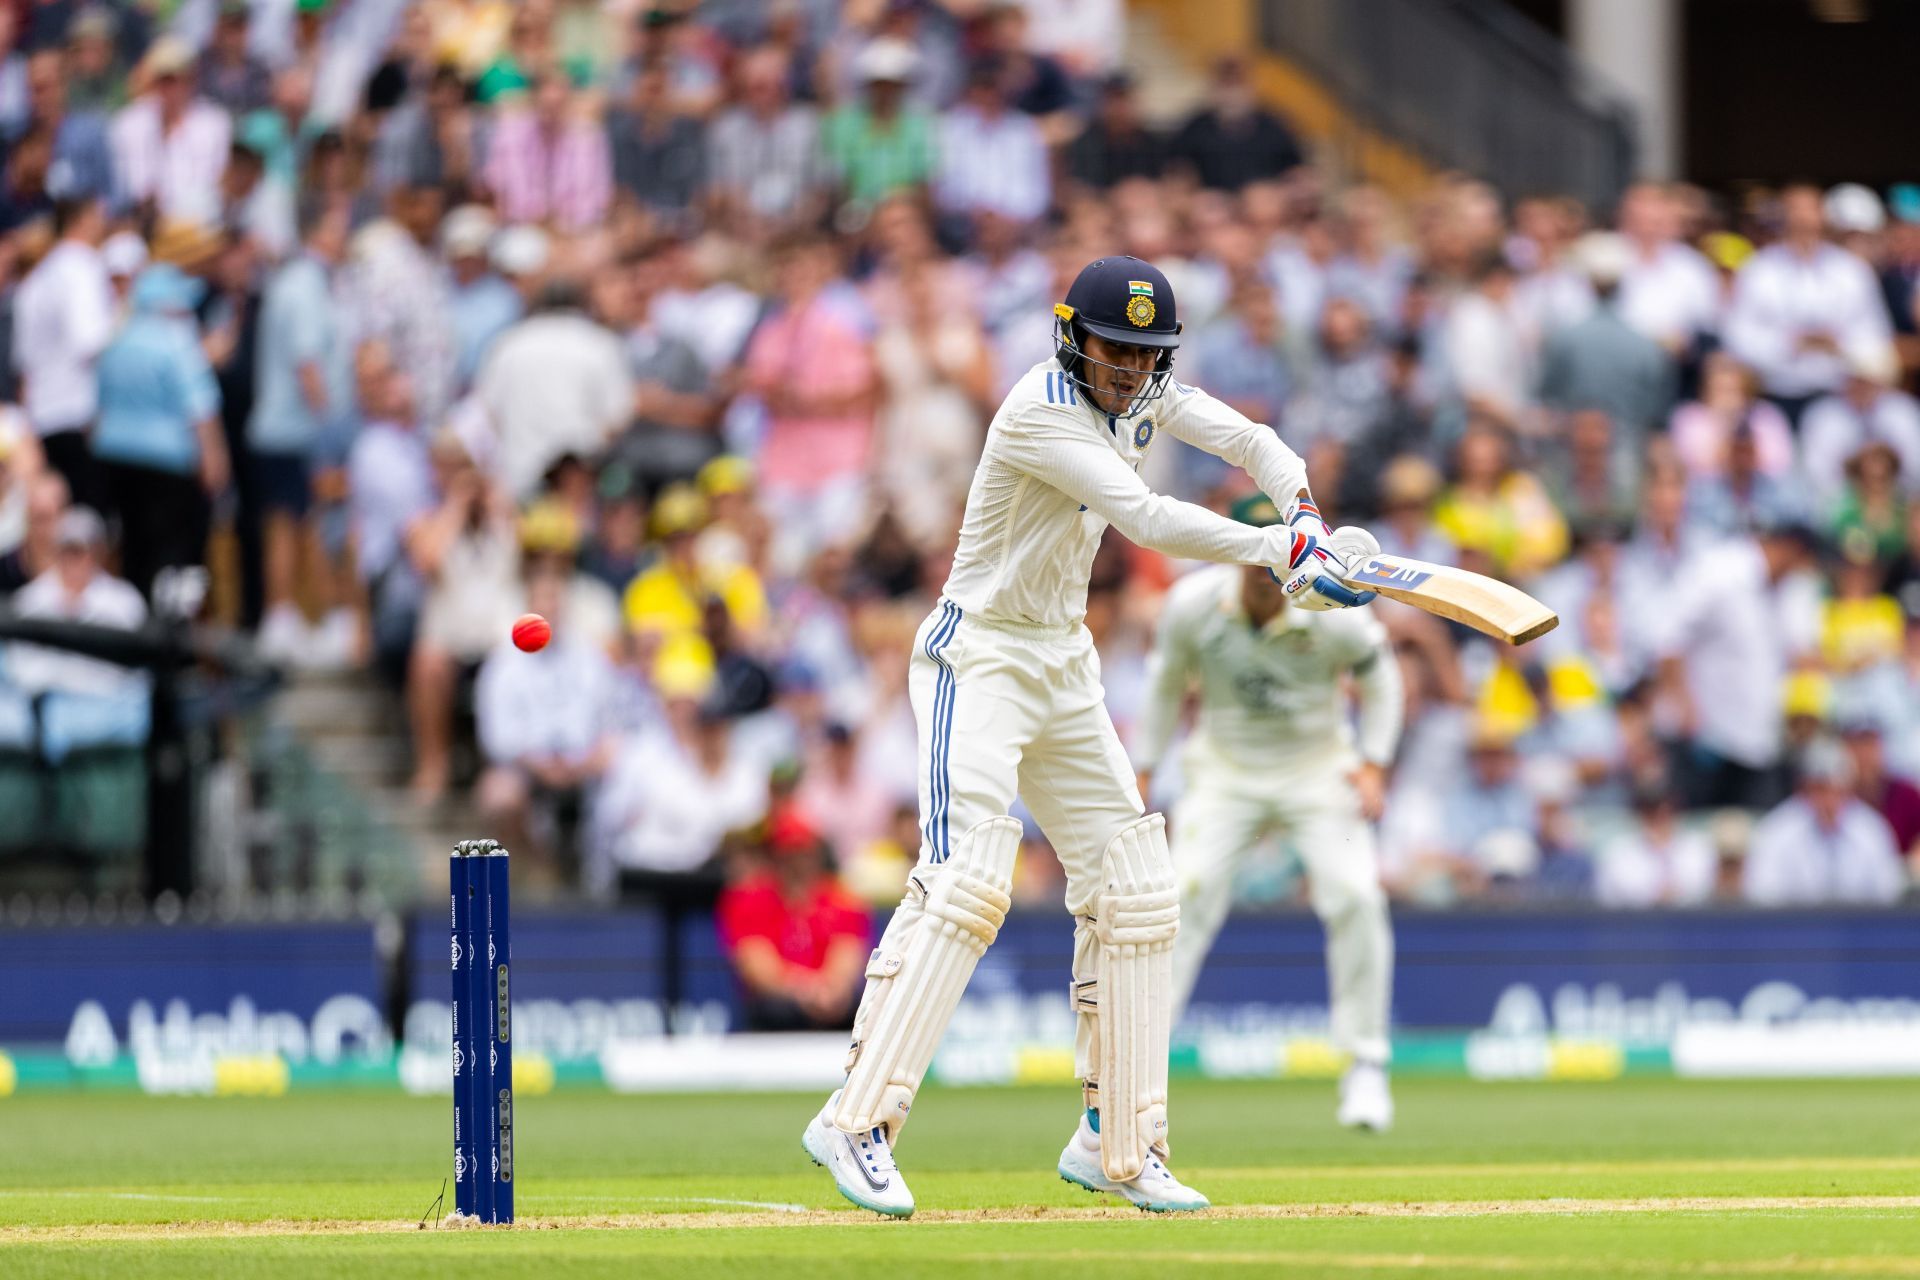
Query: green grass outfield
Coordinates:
[1629,1178]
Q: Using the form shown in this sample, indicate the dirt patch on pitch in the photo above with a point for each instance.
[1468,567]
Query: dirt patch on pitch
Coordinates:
[699,1220]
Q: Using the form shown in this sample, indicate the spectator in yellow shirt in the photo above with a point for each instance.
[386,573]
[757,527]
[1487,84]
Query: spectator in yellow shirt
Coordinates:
[669,598]
[1498,510]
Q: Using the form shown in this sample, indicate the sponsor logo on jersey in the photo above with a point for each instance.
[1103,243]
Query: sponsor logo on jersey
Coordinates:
[1386,573]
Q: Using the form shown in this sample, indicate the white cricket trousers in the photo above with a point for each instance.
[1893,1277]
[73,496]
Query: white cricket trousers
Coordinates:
[1005,711]
[1222,817]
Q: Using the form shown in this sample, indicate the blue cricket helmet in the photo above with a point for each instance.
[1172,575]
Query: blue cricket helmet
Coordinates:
[1120,299]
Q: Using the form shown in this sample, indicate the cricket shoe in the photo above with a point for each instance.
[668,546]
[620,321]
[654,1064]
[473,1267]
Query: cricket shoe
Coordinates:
[861,1163]
[1156,1189]
[1365,1100]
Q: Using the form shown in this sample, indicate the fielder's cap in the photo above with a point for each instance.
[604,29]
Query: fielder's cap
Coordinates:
[520,251]
[80,527]
[467,231]
[1256,509]
[1851,207]
[887,60]
[1123,299]
[124,254]
[678,510]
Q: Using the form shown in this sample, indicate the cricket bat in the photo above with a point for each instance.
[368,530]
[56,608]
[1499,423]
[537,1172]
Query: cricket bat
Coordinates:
[1486,604]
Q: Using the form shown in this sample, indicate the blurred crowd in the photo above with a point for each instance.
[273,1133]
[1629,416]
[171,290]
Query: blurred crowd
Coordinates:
[682,324]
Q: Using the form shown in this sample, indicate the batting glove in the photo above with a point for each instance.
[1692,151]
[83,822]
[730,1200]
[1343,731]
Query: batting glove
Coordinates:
[1319,556]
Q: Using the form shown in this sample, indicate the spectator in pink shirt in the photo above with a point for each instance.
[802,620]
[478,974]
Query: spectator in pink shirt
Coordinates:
[1729,396]
[811,364]
[549,161]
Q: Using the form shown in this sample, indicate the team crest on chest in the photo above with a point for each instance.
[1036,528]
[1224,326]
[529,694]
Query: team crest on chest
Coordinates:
[1143,433]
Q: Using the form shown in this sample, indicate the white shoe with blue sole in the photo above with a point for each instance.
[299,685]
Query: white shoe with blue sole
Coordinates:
[861,1164]
[1156,1190]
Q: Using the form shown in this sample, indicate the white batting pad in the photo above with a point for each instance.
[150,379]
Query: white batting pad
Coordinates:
[1136,918]
[916,976]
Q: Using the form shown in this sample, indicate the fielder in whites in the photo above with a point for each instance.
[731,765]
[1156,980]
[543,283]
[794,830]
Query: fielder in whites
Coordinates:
[1273,751]
[1006,691]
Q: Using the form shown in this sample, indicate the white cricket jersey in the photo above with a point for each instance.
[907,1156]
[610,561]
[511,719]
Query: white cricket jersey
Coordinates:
[1269,697]
[1056,472]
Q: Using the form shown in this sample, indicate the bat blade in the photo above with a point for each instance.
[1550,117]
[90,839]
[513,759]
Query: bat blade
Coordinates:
[1488,605]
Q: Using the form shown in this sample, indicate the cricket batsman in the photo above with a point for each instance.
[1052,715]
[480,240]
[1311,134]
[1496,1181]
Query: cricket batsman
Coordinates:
[1005,686]
[1273,752]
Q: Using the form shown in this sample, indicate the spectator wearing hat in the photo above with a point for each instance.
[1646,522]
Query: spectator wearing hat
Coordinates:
[431,138]
[483,305]
[1657,863]
[1801,306]
[797,939]
[850,805]
[1485,823]
[1869,409]
[230,75]
[763,165]
[659,149]
[63,319]
[543,721]
[1823,845]
[882,143]
[1116,144]
[158,438]
[170,145]
[1601,362]
[77,588]
[1668,292]
[1233,140]
[303,385]
[1900,272]
[992,158]
[557,382]
[669,598]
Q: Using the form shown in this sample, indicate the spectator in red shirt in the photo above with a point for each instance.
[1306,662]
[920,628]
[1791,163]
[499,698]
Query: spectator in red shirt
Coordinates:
[1895,799]
[797,938]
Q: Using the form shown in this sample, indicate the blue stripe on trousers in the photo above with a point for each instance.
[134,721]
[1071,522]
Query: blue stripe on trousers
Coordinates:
[939,784]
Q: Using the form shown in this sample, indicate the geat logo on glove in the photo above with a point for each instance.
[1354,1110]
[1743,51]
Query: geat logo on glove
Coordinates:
[1385,573]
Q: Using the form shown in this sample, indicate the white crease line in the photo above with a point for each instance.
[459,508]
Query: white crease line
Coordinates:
[775,1205]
